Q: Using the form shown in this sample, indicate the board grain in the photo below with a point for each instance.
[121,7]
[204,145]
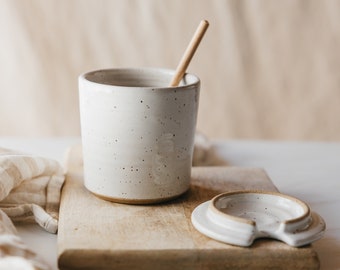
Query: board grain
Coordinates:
[97,234]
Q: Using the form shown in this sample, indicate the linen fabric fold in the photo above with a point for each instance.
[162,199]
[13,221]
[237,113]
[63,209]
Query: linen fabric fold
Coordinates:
[14,254]
[30,188]
[30,191]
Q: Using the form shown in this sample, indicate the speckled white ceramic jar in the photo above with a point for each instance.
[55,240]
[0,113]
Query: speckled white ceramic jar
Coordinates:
[137,133]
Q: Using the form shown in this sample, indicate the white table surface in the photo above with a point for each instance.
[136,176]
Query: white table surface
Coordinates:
[309,171]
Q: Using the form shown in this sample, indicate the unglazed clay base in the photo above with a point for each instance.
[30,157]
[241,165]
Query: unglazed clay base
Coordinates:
[138,201]
[238,218]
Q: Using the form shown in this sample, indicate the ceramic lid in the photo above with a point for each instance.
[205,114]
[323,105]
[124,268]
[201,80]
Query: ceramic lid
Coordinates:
[240,217]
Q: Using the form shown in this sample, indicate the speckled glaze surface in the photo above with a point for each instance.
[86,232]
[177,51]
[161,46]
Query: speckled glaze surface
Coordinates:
[137,133]
[238,218]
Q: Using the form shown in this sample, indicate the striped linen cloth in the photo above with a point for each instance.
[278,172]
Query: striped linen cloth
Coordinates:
[30,189]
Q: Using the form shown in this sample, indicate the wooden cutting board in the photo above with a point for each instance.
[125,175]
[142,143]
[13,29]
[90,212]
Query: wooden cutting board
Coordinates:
[96,234]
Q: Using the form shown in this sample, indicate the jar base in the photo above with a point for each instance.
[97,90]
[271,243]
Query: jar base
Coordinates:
[138,201]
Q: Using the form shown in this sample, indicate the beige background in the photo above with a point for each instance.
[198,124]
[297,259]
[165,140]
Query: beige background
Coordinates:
[269,69]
